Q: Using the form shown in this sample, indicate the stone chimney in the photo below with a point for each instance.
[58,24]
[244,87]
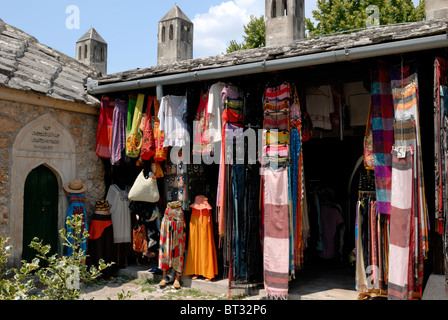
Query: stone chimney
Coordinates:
[436,9]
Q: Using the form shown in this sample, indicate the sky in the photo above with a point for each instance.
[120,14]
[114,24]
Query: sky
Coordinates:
[130,27]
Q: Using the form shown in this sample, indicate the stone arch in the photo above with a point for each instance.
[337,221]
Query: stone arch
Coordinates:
[43,141]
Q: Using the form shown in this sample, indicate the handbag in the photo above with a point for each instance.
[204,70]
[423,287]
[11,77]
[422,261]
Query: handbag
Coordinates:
[159,136]
[145,189]
[139,241]
[369,163]
[148,143]
[134,137]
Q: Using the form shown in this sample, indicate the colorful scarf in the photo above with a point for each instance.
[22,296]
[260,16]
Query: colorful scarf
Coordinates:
[383,134]
[276,237]
[402,227]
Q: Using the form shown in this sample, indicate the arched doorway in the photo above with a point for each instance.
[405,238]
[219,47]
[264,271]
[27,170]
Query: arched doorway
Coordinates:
[40,211]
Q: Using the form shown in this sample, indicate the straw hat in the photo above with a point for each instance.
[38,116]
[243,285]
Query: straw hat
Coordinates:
[75,186]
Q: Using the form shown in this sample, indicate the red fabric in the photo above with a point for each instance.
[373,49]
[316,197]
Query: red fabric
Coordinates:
[148,145]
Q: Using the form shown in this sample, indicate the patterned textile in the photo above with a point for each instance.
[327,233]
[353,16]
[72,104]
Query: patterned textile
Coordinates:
[407,133]
[383,134]
[276,237]
[201,140]
[76,207]
[148,143]
[172,240]
[441,150]
[118,131]
[402,227]
[104,131]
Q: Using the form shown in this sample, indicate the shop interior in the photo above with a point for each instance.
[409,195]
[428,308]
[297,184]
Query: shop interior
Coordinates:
[333,164]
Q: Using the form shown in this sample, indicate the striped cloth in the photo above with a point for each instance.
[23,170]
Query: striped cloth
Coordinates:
[407,133]
[383,134]
[276,232]
[401,248]
[119,131]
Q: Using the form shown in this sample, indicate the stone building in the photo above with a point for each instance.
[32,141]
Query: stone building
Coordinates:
[285,21]
[91,49]
[175,37]
[48,127]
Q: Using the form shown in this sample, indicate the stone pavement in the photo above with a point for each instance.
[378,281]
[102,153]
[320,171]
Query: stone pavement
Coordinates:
[318,282]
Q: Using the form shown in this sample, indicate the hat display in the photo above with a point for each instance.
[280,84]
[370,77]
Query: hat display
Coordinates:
[102,205]
[75,186]
[201,203]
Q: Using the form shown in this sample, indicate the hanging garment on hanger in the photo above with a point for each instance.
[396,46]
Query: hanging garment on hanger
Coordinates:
[201,136]
[105,127]
[118,144]
[172,116]
[148,149]
[320,105]
[134,135]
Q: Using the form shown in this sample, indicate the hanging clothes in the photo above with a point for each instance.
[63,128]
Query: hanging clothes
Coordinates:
[407,133]
[383,134]
[76,207]
[441,152]
[134,134]
[320,106]
[118,144]
[148,149]
[105,127]
[172,116]
[201,135]
[401,282]
[121,215]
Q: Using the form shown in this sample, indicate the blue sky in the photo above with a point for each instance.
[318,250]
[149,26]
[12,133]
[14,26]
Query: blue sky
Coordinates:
[130,27]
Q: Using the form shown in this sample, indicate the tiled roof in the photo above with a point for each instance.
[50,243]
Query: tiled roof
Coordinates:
[26,64]
[370,36]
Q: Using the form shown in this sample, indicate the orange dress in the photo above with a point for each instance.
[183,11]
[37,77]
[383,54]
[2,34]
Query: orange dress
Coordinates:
[201,254]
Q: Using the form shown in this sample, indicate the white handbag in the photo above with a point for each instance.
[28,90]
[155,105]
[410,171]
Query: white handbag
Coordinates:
[145,189]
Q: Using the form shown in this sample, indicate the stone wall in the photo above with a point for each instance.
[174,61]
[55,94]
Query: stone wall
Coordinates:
[82,128]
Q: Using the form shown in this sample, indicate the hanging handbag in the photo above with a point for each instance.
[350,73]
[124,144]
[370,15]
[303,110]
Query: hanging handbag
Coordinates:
[145,189]
[134,137]
[148,144]
[139,241]
[159,136]
[368,144]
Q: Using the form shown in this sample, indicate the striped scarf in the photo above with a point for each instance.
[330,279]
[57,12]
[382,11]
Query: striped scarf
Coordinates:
[402,239]
[276,232]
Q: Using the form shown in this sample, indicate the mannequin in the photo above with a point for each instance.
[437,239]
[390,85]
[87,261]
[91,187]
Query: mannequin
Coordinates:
[201,256]
[172,243]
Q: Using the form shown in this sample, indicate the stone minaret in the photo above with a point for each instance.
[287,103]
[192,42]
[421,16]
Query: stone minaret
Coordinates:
[91,49]
[436,9]
[175,38]
[285,21]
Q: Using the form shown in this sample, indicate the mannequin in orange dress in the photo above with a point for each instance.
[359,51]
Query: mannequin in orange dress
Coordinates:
[201,254]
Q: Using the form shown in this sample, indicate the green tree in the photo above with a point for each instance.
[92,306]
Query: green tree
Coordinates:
[255,35]
[343,15]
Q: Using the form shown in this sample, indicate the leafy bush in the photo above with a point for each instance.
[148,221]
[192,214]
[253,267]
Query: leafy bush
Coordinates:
[49,277]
